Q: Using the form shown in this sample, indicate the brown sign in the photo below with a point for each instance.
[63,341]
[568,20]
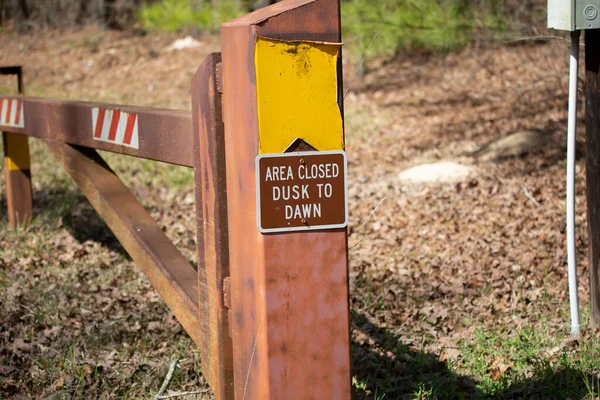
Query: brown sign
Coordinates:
[301,191]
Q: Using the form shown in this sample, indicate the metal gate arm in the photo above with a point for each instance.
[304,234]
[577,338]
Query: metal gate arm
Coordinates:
[155,134]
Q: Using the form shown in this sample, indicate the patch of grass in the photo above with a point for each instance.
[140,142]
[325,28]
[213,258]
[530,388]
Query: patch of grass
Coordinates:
[495,364]
[411,25]
[531,363]
[179,15]
[149,173]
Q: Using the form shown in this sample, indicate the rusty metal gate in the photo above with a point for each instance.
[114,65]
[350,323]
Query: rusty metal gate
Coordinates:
[268,308]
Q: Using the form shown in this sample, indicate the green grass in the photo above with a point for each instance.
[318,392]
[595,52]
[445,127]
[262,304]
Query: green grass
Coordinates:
[494,363]
[149,173]
[385,27]
[397,25]
[531,362]
[179,15]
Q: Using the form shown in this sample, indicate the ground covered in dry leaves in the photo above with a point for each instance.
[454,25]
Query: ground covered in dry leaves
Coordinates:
[458,288]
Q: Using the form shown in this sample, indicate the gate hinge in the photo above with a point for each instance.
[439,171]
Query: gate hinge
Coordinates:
[219,75]
[227,292]
[227,302]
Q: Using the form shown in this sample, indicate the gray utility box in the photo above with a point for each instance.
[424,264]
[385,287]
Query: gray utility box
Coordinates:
[570,15]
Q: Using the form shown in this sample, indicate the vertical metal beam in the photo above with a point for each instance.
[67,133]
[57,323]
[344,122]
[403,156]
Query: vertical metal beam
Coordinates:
[592,124]
[17,168]
[290,321]
[211,228]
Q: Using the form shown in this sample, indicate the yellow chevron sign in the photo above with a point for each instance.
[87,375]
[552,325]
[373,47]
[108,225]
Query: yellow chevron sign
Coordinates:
[17,152]
[297,94]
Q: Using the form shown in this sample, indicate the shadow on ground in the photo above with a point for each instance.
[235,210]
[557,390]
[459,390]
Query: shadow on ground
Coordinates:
[71,210]
[383,367]
[77,216]
[395,371]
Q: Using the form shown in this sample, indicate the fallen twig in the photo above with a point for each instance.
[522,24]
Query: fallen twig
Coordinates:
[530,196]
[167,380]
[537,83]
[181,394]
[356,244]
[370,215]
[535,38]
[360,65]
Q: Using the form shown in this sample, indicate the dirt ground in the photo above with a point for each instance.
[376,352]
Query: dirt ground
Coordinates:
[432,265]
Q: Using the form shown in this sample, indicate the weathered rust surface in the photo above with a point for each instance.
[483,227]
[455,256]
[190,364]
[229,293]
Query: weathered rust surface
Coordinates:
[19,196]
[14,70]
[592,130]
[211,213]
[290,322]
[168,270]
[164,135]
[10,69]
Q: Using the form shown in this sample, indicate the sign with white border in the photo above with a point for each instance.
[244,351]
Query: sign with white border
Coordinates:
[301,191]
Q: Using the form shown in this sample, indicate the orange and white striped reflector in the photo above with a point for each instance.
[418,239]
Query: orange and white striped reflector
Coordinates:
[114,126]
[11,113]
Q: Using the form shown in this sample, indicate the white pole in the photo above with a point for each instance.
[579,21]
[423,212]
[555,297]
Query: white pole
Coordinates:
[572,124]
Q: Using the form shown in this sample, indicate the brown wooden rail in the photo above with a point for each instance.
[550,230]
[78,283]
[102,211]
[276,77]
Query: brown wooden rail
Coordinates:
[164,135]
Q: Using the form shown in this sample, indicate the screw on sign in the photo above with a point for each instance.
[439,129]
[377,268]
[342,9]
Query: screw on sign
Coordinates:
[301,191]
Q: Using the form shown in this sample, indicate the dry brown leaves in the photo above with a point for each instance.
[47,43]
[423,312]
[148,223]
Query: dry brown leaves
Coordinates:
[427,267]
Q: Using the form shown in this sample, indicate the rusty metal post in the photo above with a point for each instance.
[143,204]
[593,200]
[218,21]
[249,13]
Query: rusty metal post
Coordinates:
[17,166]
[592,128]
[211,228]
[290,322]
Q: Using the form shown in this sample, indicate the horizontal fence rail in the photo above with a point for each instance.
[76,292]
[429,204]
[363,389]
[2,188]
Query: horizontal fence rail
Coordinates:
[155,134]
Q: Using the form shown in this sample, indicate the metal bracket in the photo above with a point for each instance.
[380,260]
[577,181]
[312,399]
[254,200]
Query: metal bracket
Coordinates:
[219,75]
[227,301]
[227,292]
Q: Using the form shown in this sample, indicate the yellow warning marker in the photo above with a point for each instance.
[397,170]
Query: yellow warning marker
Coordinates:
[17,152]
[297,94]
[18,178]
